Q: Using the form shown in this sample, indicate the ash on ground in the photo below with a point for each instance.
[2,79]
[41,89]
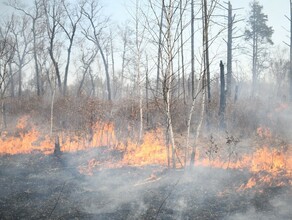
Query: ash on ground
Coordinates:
[40,186]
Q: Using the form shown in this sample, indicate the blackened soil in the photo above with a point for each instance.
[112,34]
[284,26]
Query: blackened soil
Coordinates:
[47,187]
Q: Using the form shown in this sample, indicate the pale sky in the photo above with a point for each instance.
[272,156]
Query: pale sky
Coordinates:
[275,9]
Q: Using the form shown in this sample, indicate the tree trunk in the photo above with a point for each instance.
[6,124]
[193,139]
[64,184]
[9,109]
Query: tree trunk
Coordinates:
[52,111]
[159,48]
[206,79]
[207,61]
[3,111]
[197,134]
[67,67]
[138,43]
[229,51]
[193,48]
[114,84]
[11,81]
[107,74]
[20,81]
[147,92]
[169,77]
[123,65]
[182,53]
[254,63]
[93,93]
[56,66]
[222,98]
[35,57]
[189,120]
[290,73]
[57,150]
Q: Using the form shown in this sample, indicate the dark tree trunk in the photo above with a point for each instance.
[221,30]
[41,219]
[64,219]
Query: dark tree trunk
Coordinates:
[55,63]
[206,27]
[67,67]
[35,57]
[20,81]
[4,118]
[222,98]
[57,150]
[11,81]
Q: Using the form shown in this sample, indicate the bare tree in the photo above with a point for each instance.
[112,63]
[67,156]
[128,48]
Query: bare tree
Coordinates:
[229,49]
[193,48]
[139,40]
[159,54]
[54,14]
[23,38]
[222,97]
[87,58]
[94,32]
[35,14]
[126,34]
[74,16]
[279,68]
[7,51]
[182,10]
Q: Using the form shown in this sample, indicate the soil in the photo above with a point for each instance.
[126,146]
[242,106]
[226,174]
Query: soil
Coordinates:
[38,186]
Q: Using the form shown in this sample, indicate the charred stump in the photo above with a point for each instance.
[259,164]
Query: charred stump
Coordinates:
[57,150]
[222,98]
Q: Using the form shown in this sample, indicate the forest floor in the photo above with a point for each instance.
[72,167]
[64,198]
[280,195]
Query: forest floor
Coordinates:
[37,186]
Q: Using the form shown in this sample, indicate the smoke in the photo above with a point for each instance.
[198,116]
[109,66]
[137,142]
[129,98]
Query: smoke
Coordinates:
[278,208]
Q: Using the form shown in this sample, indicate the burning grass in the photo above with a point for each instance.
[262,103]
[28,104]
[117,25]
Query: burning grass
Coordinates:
[270,166]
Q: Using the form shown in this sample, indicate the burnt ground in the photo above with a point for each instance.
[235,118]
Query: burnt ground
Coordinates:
[36,186]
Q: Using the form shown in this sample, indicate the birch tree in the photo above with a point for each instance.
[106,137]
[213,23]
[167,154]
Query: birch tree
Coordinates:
[139,41]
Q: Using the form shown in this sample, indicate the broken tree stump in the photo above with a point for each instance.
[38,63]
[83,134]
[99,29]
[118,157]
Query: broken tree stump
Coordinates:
[57,150]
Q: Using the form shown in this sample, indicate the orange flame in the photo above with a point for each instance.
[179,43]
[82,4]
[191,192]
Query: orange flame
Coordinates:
[27,139]
[270,165]
[151,151]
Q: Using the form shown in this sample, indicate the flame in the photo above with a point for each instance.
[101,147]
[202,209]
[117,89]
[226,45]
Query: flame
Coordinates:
[24,141]
[27,139]
[151,151]
[268,165]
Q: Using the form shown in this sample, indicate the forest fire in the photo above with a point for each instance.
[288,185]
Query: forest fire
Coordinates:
[269,166]
[145,110]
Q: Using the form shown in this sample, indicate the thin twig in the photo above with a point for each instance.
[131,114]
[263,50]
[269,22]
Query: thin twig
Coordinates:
[164,200]
[57,200]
